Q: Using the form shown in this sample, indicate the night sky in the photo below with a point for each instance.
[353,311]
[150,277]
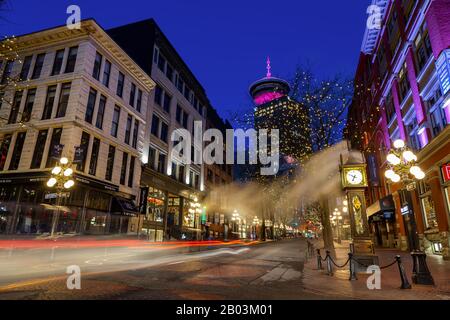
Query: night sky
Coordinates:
[225,43]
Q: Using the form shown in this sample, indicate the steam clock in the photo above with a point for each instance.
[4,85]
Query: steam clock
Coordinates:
[354,184]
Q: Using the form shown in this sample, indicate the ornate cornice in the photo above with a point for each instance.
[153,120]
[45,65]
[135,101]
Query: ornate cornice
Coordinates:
[89,29]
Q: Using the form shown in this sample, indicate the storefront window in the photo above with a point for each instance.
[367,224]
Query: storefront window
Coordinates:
[429,212]
[173,211]
[190,217]
[447,197]
[155,205]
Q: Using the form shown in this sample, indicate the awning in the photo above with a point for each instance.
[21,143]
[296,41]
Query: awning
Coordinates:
[55,208]
[125,207]
[381,206]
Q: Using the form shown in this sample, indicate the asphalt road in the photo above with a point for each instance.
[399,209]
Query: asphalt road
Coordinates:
[141,270]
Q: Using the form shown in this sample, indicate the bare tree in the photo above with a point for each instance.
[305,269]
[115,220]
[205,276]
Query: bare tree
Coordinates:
[327,102]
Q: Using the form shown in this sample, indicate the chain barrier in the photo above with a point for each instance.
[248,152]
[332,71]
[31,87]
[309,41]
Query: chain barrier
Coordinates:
[330,262]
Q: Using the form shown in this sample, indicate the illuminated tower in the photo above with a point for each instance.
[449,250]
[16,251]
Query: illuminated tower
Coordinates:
[274,109]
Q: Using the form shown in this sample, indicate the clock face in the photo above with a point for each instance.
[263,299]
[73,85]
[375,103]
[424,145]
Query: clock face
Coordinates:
[354,177]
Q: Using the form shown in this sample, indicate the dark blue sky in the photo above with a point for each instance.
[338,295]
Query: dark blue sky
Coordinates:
[225,43]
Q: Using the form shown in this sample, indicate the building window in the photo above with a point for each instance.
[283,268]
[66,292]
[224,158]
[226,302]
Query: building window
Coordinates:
[115,121]
[185,119]
[132,95]
[407,6]
[49,101]
[94,156]
[158,95]
[15,107]
[187,93]
[110,163]
[63,100]
[131,173]
[169,72]
[161,162]
[390,109]
[120,83]
[429,211]
[90,106]
[135,133]
[38,66]
[139,100]
[178,114]
[97,66]
[180,84]
[403,83]
[155,125]
[382,61]
[7,72]
[164,131]
[25,68]
[6,142]
[167,100]
[71,60]
[128,129]
[39,149]
[52,154]
[100,112]
[413,139]
[28,108]
[438,121]
[161,63]
[17,152]
[57,63]
[123,169]
[151,157]
[181,173]
[84,145]
[423,48]
[393,31]
[106,73]
[174,172]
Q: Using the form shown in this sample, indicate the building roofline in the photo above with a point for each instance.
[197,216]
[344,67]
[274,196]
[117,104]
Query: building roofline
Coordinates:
[89,28]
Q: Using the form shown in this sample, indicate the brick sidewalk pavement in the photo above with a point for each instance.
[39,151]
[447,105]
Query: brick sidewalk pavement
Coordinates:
[338,285]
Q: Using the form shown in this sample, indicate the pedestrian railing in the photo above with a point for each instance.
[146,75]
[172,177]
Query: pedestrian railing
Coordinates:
[352,261]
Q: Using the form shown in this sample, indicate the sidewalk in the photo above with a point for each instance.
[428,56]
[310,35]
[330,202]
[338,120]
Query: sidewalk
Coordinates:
[338,285]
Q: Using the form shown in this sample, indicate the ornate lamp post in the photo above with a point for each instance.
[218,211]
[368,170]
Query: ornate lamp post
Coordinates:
[403,168]
[255,226]
[61,179]
[337,217]
[236,221]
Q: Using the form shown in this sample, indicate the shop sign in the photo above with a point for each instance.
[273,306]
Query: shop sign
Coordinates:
[446,172]
[404,210]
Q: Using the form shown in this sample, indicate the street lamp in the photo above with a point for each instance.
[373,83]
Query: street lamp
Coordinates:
[337,217]
[236,220]
[402,167]
[255,226]
[61,179]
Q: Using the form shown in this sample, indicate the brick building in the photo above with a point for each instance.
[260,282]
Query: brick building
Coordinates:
[77,88]
[402,90]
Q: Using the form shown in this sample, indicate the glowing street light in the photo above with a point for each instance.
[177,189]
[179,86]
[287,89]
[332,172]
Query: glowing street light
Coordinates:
[402,167]
[61,179]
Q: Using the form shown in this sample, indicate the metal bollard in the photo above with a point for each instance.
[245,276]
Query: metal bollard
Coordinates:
[405,283]
[319,260]
[352,267]
[329,266]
